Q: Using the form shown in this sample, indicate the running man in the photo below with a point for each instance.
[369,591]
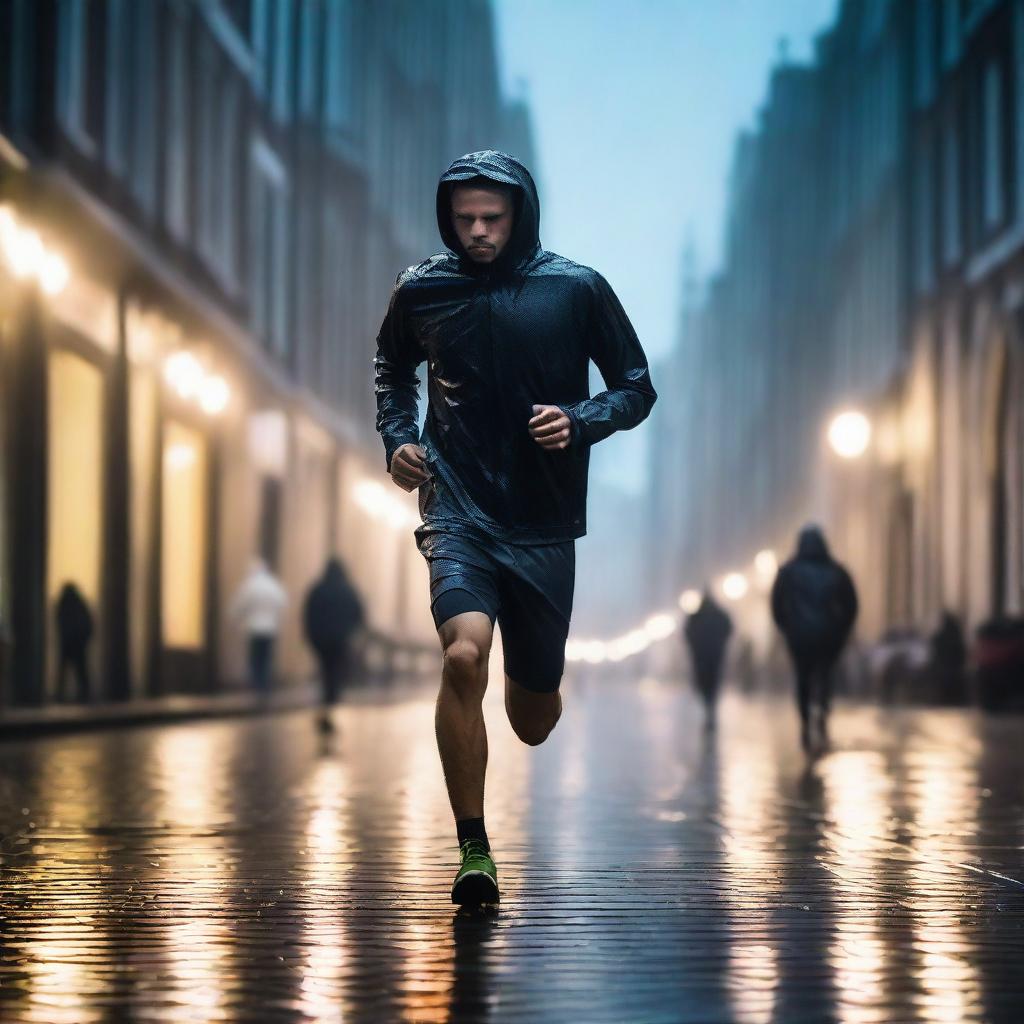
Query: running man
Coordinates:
[507,330]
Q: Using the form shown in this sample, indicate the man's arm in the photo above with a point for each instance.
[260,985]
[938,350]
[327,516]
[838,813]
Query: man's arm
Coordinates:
[616,350]
[395,382]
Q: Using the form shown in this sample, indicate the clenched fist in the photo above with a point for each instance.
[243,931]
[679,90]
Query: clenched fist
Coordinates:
[408,467]
[550,427]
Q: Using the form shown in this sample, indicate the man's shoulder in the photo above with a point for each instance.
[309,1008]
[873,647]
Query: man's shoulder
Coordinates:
[551,264]
[440,264]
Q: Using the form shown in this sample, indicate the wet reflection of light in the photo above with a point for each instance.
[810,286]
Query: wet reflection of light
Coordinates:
[326,862]
[858,836]
[58,954]
[425,825]
[751,834]
[191,800]
[943,791]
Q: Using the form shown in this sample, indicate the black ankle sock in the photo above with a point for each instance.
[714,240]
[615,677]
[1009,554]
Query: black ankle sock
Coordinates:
[472,828]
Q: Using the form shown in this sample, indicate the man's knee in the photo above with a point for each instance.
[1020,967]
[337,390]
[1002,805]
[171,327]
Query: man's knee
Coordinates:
[464,667]
[534,733]
[533,724]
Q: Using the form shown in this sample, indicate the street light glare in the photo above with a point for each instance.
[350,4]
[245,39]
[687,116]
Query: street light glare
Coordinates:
[766,565]
[849,434]
[689,601]
[213,395]
[735,586]
[53,274]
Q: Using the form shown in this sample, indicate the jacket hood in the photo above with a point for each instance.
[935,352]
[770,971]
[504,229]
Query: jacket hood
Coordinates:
[504,170]
[811,543]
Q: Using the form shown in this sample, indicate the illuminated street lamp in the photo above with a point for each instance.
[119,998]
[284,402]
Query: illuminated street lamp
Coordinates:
[766,565]
[660,626]
[849,434]
[184,373]
[735,586]
[53,274]
[213,395]
[689,601]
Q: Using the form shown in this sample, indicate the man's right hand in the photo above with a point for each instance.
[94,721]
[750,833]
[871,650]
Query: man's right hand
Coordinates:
[409,467]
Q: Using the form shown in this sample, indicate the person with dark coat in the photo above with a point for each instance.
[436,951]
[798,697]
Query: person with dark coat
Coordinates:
[947,657]
[332,614]
[814,604]
[507,330]
[74,631]
[707,633]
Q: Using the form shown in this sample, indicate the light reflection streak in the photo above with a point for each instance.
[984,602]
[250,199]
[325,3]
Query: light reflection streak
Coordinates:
[56,960]
[943,793]
[858,837]
[325,865]
[748,789]
[191,798]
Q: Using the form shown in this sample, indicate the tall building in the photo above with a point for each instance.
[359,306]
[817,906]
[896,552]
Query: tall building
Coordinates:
[872,260]
[205,204]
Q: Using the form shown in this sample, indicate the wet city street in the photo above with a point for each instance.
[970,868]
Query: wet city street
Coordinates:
[240,870]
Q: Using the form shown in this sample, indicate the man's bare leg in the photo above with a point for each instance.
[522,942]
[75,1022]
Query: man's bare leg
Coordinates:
[459,717]
[532,715]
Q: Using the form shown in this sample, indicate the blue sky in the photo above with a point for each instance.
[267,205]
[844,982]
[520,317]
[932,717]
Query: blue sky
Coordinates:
[635,105]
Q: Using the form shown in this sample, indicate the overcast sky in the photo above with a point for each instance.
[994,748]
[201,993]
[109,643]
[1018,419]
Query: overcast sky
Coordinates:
[635,105]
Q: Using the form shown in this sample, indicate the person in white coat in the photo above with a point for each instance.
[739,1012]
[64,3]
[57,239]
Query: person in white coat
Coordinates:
[258,607]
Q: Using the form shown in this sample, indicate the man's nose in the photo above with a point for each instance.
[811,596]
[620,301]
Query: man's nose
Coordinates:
[480,229]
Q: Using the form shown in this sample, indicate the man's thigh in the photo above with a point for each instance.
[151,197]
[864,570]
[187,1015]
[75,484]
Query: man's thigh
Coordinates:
[533,635]
[477,627]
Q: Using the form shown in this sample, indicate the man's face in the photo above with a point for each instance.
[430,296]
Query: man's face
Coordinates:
[483,221]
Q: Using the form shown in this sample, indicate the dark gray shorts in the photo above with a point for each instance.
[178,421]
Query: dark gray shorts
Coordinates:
[527,589]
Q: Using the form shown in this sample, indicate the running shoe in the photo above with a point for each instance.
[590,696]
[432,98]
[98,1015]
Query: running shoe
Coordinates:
[477,880]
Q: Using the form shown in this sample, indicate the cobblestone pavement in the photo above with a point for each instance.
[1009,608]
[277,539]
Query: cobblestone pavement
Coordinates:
[238,871]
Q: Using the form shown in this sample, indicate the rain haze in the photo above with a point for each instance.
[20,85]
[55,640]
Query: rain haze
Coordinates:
[338,682]
[634,124]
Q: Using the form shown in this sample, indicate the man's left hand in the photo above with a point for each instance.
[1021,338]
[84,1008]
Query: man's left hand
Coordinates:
[550,427]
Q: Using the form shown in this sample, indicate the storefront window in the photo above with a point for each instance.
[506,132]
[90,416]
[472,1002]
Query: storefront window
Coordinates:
[184,548]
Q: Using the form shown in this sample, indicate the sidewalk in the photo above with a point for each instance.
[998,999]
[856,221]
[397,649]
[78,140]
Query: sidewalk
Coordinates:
[17,723]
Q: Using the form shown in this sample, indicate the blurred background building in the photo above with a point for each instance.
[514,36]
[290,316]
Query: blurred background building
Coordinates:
[873,261]
[205,204]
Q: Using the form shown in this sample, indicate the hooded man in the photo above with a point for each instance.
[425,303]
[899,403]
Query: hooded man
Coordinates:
[707,633]
[814,604]
[331,615]
[507,330]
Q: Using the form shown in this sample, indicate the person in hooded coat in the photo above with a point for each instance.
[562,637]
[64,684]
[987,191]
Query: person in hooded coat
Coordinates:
[814,604]
[331,615]
[507,330]
[707,633]
[74,632]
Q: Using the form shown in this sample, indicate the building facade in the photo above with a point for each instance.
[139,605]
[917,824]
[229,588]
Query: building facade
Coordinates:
[205,204]
[872,260]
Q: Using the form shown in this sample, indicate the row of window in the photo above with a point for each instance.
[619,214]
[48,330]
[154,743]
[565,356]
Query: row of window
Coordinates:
[962,188]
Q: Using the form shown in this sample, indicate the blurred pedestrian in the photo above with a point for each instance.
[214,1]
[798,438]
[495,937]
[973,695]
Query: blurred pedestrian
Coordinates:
[707,633]
[74,632]
[947,650]
[331,616]
[814,604]
[258,606]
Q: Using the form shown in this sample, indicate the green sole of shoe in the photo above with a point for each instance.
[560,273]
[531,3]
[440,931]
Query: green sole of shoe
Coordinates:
[474,888]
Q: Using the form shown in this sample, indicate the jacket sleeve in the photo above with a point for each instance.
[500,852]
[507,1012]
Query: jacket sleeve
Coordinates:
[615,349]
[395,382]
[778,600]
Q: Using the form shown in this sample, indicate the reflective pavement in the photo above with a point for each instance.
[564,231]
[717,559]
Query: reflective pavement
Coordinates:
[238,871]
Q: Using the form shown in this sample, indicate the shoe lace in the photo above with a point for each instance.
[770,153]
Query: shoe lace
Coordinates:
[473,848]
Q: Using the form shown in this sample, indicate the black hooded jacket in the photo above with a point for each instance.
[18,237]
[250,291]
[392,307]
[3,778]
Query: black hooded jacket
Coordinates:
[814,602]
[333,610]
[498,339]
